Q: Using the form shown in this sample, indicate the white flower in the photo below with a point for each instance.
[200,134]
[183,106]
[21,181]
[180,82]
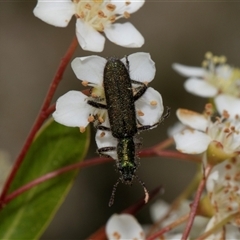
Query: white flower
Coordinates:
[93,18]
[224,194]
[73,110]
[159,209]
[124,226]
[213,78]
[224,133]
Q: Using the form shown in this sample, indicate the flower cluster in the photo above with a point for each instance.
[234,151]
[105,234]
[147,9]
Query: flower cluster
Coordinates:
[215,135]
[93,18]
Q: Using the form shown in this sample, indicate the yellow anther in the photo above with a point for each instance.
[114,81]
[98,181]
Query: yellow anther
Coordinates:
[91,118]
[100,119]
[111,7]
[126,15]
[208,55]
[153,103]
[85,83]
[101,14]
[222,59]
[112,18]
[82,129]
[88,6]
[102,134]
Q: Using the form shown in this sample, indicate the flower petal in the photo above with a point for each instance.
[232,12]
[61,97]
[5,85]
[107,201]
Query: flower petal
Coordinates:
[200,87]
[56,13]
[105,139]
[89,68]
[149,107]
[228,103]
[125,35]
[142,67]
[187,71]
[124,226]
[192,119]
[158,210]
[89,38]
[175,128]
[72,109]
[122,7]
[191,142]
[212,180]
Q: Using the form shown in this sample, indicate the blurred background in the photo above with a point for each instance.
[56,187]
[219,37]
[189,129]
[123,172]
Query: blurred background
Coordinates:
[30,51]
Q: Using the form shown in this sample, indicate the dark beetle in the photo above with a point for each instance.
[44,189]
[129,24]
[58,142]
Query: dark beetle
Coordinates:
[122,118]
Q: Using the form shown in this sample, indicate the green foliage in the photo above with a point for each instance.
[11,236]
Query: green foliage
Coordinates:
[28,215]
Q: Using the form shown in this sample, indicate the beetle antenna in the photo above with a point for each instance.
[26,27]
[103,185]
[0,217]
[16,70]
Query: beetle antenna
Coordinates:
[111,201]
[144,189]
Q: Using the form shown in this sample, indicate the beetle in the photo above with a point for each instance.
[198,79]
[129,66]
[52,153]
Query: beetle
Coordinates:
[123,122]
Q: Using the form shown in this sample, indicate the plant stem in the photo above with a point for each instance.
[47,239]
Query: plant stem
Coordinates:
[196,202]
[145,153]
[42,116]
[50,175]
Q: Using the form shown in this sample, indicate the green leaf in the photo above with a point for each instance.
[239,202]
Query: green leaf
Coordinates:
[28,215]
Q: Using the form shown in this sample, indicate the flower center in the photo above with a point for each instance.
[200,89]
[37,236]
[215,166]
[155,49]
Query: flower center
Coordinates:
[99,13]
[221,75]
[226,132]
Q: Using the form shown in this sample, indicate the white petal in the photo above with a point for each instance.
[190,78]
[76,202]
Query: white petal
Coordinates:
[56,13]
[124,226]
[89,68]
[122,7]
[105,139]
[152,112]
[141,66]
[72,109]
[212,180]
[89,38]
[191,142]
[192,119]
[176,128]
[200,87]
[125,35]
[187,71]
[228,103]
[232,232]
[159,210]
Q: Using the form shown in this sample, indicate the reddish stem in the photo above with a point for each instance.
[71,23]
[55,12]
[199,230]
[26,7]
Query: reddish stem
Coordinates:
[195,203]
[145,153]
[50,175]
[153,152]
[42,116]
